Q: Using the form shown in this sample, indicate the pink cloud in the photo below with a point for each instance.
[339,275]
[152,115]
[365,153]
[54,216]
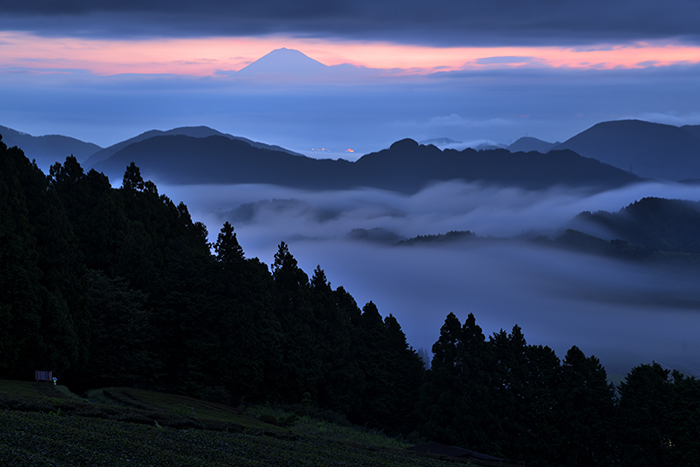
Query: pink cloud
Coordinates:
[205,56]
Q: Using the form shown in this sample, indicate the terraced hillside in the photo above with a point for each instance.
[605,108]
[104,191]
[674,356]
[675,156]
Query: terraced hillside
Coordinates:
[41,425]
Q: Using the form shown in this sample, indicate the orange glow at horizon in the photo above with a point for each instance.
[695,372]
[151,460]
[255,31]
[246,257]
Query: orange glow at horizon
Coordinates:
[206,56]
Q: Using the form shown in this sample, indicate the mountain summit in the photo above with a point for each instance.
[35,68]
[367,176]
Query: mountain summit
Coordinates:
[283,62]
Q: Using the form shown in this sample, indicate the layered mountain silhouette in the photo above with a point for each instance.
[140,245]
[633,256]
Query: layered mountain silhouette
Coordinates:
[48,149]
[650,150]
[606,155]
[408,164]
[192,131]
[404,167]
[528,144]
[216,159]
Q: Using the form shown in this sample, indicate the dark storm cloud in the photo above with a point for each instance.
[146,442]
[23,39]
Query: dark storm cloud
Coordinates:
[439,22]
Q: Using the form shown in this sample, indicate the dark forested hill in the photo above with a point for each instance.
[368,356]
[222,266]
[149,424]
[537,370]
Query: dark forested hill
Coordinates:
[110,286]
[405,167]
[651,150]
[664,224]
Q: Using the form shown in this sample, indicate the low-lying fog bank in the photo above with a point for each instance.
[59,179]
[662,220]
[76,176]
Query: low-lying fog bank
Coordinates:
[622,313]
[625,314]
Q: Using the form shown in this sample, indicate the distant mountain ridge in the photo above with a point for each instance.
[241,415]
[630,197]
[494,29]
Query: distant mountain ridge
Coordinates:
[529,144]
[48,149]
[214,159]
[404,167]
[651,150]
[192,131]
[407,164]
[644,149]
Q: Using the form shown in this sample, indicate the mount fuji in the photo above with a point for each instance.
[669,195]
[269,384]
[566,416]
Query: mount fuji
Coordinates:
[283,62]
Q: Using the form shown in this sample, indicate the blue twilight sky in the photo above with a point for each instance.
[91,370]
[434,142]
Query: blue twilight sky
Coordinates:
[468,70]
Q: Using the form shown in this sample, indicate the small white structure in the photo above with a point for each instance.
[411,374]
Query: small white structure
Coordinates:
[43,375]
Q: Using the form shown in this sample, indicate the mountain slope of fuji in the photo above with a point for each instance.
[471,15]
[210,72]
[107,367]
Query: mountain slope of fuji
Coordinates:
[283,61]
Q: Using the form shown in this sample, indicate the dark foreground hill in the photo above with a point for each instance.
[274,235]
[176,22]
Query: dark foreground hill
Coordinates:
[44,425]
[405,167]
[650,150]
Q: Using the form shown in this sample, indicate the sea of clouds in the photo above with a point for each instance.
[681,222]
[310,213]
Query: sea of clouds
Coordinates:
[623,313]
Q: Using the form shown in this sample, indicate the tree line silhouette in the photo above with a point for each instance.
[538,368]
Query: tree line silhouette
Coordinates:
[120,286]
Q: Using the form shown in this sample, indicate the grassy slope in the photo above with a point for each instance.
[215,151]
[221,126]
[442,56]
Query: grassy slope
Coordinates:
[41,426]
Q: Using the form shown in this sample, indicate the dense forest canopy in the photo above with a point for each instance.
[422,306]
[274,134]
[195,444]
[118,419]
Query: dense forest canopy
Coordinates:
[120,286]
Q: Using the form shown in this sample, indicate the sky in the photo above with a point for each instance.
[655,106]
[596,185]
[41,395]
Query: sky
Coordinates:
[472,71]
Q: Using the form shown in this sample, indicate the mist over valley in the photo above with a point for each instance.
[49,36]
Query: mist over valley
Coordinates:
[624,312]
[367,224]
